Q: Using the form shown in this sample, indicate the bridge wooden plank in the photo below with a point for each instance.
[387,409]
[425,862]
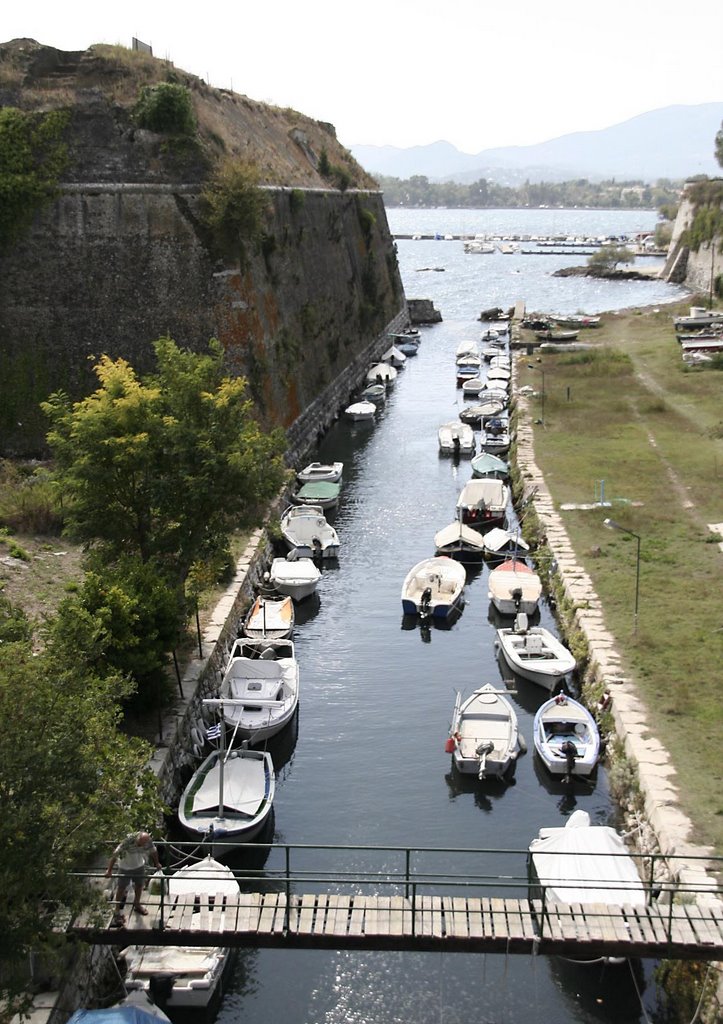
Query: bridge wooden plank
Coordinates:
[214,924]
[499,923]
[397,915]
[204,912]
[268,912]
[341,924]
[657,926]
[681,929]
[186,903]
[474,917]
[458,918]
[526,922]
[382,906]
[371,917]
[714,918]
[487,916]
[319,926]
[356,921]
[306,917]
[437,917]
[635,929]
[701,925]
[424,915]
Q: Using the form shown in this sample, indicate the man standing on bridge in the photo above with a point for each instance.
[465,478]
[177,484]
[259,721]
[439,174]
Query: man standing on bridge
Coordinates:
[132,853]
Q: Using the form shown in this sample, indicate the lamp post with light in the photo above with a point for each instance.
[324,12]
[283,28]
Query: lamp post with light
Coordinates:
[612,525]
[539,369]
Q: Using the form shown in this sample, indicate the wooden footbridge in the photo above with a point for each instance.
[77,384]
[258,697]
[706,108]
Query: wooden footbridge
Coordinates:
[422,910]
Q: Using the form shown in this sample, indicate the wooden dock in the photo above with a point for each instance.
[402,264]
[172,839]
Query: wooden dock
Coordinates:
[451,924]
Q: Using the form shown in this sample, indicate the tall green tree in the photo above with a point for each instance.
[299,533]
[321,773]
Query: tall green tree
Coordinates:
[70,783]
[719,145]
[167,466]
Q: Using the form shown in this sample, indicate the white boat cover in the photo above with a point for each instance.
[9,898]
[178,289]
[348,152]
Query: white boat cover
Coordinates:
[205,876]
[294,571]
[458,532]
[244,785]
[496,539]
[584,863]
[485,492]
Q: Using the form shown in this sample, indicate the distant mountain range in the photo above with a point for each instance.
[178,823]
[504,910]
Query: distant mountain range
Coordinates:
[672,142]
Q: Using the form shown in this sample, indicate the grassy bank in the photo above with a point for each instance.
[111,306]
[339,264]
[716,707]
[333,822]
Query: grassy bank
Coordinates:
[626,412]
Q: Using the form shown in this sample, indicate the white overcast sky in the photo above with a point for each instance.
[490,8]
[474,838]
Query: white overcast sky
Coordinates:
[477,73]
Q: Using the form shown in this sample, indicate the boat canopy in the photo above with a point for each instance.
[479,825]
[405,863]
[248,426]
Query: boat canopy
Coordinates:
[583,863]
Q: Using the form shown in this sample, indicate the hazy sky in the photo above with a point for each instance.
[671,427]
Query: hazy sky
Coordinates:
[409,72]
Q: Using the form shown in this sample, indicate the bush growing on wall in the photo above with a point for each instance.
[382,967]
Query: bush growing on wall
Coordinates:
[166,108]
[32,158]
[233,206]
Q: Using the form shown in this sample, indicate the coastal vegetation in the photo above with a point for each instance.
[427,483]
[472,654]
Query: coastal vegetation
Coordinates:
[419,191]
[627,412]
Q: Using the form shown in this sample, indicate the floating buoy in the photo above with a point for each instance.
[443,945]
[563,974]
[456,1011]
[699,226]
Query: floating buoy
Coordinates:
[449,746]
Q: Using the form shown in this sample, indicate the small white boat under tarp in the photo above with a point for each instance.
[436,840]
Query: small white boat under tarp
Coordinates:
[459,541]
[498,540]
[486,464]
[361,411]
[318,471]
[584,863]
[483,502]
[395,357]
[294,576]
[382,373]
[566,737]
[191,975]
[271,617]
[514,587]
[456,438]
[484,737]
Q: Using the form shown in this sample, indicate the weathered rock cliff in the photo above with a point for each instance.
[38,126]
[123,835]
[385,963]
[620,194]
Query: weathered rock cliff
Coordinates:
[122,255]
[697,268]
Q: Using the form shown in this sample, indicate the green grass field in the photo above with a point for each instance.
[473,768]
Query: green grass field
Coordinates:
[626,412]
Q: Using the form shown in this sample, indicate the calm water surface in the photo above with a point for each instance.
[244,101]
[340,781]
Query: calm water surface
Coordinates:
[368,765]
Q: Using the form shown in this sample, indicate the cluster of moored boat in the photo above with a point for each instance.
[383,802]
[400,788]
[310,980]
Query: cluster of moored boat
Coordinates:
[484,737]
[382,375]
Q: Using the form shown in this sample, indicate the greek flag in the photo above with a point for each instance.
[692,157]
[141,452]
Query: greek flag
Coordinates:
[214,733]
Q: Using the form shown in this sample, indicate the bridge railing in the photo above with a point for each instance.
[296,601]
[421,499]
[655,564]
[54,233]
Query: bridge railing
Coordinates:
[414,872]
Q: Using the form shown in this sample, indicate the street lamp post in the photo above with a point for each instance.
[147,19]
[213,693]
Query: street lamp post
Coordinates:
[612,525]
[539,369]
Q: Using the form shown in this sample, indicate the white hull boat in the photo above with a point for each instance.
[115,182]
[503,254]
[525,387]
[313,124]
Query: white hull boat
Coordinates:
[270,618]
[306,531]
[316,472]
[483,502]
[382,373]
[477,413]
[566,737]
[260,688]
[324,493]
[360,411]
[295,577]
[193,974]
[466,348]
[487,465]
[495,443]
[456,438]
[472,387]
[584,863]
[229,798]
[534,653]
[459,541]
[433,587]
[376,393]
[484,737]
[514,588]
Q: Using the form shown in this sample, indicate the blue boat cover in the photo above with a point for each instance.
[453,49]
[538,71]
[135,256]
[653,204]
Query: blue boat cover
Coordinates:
[115,1015]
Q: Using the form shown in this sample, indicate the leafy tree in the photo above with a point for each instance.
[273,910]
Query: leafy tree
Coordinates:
[719,145]
[164,468]
[166,108]
[233,206]
[69,783]
[608,257]
[124,619]
[32,158]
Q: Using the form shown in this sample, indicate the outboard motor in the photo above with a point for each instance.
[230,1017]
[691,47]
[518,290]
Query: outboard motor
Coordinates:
[425,602]
[516,596]
[483,751]
[570,751]
[160,987]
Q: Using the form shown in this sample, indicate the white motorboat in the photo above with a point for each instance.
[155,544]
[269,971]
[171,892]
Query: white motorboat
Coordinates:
[534,653]
[495,441]
[456,438]
[466,348]
[484,737]
[260,688]
[395,357]
[514,587]
[433,587]
[306,531]
[191,976]
[382,373]
[566,737]
[499,376]
[482,409]
[498,541]
[269,618]
[472,387]
[360,411]
[296,577]
[316,472]
[376,393]
[324,493]
[467,368]
[483,502]
[584,863]
[407,342]
[229,798]
[459,541]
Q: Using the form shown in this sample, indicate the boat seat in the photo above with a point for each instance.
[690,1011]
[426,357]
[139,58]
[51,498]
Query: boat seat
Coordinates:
[533,644]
